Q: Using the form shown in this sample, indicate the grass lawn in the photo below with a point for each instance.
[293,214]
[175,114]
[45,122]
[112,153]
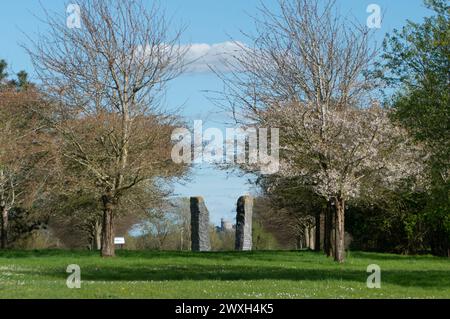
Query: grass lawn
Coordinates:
[148,274]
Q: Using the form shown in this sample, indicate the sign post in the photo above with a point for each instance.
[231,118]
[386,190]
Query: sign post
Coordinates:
[119,241]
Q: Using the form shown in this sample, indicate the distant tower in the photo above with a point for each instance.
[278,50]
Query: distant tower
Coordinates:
[225,225]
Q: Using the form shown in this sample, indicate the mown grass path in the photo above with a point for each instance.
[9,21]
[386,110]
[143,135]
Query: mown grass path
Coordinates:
[274,274]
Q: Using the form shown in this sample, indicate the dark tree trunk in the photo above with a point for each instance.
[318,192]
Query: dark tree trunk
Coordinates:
[4,227]
[299,242]
[328,230]
[108,249]
[439,241]
[339,251]
[317,243]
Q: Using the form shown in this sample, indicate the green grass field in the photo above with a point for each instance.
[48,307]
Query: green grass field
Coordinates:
[148,274]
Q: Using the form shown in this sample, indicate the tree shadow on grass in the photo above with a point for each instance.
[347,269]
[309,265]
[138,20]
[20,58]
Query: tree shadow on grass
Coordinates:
[196,272]
[150,254]
[399,258]
[15,254]
[270,255]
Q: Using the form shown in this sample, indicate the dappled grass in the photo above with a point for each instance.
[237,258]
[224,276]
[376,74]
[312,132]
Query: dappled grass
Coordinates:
[150,274]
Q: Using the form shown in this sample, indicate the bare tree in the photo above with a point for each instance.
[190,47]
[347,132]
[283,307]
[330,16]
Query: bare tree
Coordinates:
[308,73]
[306,53]
[105,81]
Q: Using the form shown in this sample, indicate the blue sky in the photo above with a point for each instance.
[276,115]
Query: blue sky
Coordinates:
[209,22]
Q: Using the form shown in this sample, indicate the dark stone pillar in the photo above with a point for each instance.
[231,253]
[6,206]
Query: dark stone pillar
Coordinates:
[244,213]
[199,225]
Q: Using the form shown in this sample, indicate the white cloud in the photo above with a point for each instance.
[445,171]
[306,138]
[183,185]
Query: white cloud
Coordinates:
[202,56]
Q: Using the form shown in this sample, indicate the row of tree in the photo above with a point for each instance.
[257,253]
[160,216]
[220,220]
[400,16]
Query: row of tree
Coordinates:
[319,78]
[89,148]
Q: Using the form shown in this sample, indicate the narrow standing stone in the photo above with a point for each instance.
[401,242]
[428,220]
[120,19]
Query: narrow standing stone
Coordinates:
[244,214]
[199,225]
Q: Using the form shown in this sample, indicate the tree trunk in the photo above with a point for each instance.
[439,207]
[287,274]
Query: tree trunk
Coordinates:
[339,251]
[108,249]
[328,230]
[317,243]
[98,235]
[4,227]
[181,239]
[306,232]
[299,242]
[312,237]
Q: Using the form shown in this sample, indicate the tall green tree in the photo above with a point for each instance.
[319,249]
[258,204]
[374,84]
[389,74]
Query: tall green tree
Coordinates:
[417,63]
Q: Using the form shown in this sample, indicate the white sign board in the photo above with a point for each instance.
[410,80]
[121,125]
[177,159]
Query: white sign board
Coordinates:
[119,240]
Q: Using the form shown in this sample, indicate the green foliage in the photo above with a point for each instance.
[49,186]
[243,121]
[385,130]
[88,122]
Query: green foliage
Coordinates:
[262,239]
[221,240]
[402,223]
[21,83]
[3,72]
[417,61]
[26,228]
[37,239]
[417,55]
[22,80]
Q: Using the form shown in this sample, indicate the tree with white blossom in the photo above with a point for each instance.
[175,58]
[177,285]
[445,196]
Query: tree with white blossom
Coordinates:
[308,74]
[359,150]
